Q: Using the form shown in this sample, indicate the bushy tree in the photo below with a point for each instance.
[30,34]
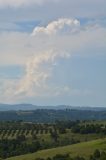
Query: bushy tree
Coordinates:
[103,156]
[97,153]
[92,158]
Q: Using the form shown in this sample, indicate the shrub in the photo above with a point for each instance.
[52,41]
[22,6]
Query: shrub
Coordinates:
[97,153]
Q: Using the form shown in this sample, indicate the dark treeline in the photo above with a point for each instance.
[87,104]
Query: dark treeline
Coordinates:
[50,115]
[81,127]
[17,146]
[89,129]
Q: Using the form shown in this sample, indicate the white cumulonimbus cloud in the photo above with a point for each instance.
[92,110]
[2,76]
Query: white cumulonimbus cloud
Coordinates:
[43,48]
[39,68]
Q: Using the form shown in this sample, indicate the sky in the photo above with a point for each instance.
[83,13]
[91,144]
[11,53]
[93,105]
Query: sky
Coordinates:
[53,52]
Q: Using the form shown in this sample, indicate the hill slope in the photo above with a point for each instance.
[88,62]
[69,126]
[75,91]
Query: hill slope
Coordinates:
[82,149]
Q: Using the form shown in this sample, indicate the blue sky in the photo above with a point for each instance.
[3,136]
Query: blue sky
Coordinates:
[53,52]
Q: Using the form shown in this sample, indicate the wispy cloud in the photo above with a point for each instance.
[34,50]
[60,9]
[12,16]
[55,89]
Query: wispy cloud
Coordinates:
[15,3]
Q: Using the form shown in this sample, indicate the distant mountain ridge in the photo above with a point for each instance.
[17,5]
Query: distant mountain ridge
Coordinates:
[16,107]
[7,107]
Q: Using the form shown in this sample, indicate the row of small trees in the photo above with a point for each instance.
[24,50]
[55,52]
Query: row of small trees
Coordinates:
[12,133]
[18,125]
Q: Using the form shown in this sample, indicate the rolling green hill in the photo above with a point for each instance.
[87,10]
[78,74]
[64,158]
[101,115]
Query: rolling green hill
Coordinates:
[83,149]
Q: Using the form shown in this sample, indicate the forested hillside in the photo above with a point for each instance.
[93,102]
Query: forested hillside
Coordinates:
[51,115]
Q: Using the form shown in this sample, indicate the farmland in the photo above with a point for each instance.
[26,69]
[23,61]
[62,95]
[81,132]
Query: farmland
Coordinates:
[18,137]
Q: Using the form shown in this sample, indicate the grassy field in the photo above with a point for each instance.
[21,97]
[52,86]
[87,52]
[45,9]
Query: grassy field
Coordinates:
[83,149]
